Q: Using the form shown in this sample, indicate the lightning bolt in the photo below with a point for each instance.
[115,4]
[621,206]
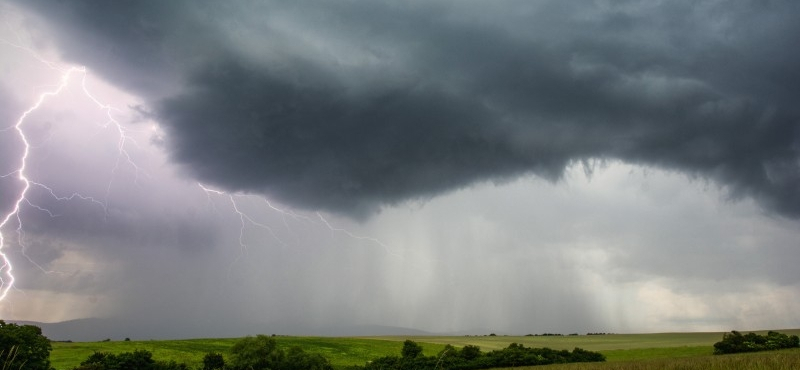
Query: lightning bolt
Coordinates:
[246,219]
[330,227]
[12,221]
[20,174]
[6,276]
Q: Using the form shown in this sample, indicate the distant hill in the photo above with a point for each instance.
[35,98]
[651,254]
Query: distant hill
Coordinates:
[97,329]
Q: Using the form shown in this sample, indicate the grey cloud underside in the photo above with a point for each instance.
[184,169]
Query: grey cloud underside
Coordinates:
[351,106]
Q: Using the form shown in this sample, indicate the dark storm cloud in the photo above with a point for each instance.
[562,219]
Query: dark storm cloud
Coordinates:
[351,106]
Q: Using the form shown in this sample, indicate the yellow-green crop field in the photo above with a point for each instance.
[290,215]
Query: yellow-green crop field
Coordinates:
[623,351]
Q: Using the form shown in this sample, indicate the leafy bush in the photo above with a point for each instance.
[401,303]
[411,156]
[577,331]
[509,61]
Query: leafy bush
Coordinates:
[411,350]
[297,359]
[259,352]
[136,360]
[262,352]
[213,361]
[735,342]
[24,347]
[470,352]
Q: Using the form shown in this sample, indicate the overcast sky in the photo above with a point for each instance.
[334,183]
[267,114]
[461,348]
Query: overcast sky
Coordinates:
[507,166]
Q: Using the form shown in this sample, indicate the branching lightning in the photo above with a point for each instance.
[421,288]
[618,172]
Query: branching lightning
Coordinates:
[354,236]
[20,173]
[6,275]
[12,220]
[246,219]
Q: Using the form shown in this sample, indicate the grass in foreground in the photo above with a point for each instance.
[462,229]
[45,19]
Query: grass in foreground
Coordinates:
[636,354]
[773,360]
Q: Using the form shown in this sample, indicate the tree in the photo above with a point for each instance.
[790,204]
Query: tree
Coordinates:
[24,347]
[735,342]
[411,349]
[470,352]
[297,359]
[262,352]
[213,361]
[256,353]
[136,360]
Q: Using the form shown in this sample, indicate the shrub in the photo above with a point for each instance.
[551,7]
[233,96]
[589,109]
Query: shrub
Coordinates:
[259,352]
[24,347]
[213,361]
[411,349]
[136,360]
[262,352]
[735,342]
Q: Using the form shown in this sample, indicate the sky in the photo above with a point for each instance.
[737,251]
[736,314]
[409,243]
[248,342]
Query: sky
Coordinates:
[449,166]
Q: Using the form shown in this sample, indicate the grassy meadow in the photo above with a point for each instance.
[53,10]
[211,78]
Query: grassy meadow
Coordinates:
[623,351]
[773,360]
[340,351]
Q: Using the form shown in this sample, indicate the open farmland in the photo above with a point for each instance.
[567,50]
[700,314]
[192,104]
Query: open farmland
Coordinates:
[623,351]
[589,342]
[773,360]
[340,351]
[616,347]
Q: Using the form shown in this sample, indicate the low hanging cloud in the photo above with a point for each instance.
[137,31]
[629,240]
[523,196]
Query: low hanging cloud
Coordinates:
[349,107]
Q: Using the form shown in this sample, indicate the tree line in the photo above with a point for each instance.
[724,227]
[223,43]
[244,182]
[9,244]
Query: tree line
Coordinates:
[250,353]
[262,353]
[24,347]
[470,357]
[736,342]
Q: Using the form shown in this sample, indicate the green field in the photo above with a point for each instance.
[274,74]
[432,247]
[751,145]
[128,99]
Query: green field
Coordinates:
[774,360]
[340,351]
[623,351]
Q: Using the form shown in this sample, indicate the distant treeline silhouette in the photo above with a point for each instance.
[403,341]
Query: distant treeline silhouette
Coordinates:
[561,335]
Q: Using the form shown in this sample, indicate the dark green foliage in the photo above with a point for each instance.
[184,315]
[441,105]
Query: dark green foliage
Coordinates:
[410,350]
[447,351]
[735,342]
[470,352]
[297,359]
[250,353]
[262,352]
[471,358]
[24,347]
[582,355]
[136,360]
[213,361]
